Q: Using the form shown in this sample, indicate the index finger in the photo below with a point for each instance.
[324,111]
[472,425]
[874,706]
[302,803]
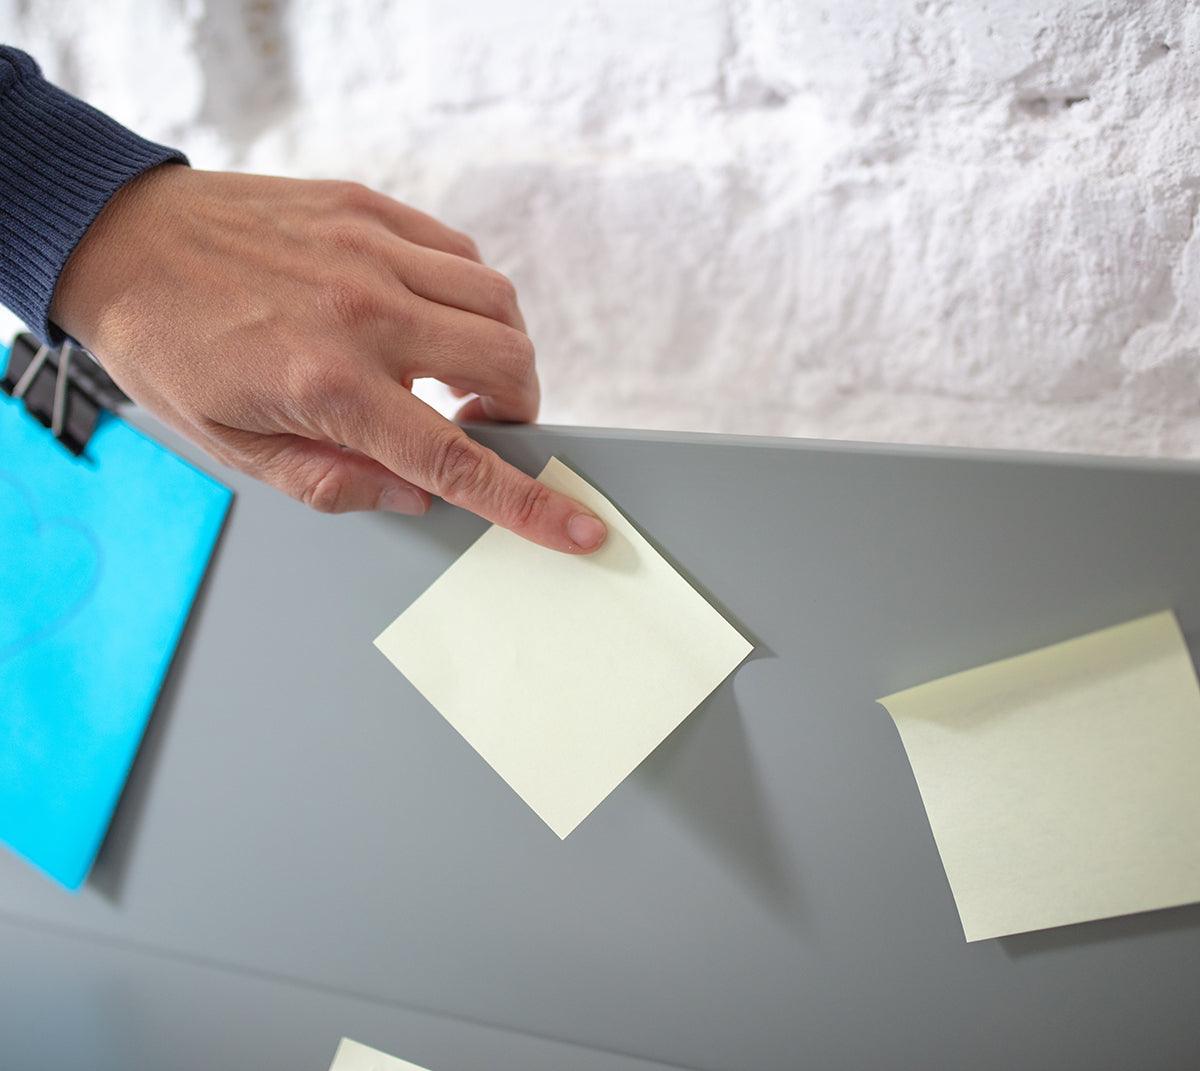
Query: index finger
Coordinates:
[419,444]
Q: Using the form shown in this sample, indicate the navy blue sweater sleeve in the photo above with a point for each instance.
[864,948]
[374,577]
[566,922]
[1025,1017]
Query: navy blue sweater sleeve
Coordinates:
[60,162]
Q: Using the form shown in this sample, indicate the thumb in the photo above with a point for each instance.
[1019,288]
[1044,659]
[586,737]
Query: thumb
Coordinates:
[331,478]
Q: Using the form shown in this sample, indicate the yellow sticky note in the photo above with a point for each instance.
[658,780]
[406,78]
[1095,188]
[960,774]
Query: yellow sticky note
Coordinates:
[564,672]
[1063,785]
[352,1056]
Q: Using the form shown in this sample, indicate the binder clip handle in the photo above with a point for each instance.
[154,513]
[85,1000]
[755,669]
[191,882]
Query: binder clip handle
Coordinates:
[63,387]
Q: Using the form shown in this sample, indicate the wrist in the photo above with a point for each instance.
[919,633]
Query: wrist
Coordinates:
[62,161]
[100,281]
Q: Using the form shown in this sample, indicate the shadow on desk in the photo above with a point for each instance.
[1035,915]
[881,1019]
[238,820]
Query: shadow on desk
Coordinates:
[112,863]
[1103,931]
[706,775]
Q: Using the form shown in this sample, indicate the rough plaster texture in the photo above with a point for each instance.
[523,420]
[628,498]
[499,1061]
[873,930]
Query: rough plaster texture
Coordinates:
[875,219]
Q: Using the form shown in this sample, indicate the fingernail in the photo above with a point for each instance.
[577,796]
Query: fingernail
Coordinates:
[586,531]
[401,500]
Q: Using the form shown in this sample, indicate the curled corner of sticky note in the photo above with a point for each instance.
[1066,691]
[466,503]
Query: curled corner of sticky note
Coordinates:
[1060,784]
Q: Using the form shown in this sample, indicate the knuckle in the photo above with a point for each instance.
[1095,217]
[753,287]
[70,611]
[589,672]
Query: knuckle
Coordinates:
[405,313]
[519,355]
[529,504]
[458,467]
[348,303]
[463,245]
[323,386]
[354,195]
[503,294]
[326,491]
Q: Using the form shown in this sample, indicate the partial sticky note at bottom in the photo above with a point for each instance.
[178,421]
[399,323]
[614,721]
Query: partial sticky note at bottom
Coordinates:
[1063,785]
[352,1056]
[563,671]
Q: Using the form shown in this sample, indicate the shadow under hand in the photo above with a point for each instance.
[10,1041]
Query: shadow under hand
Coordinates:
[109,871]
[445,531]
[705,773]
[1103,931]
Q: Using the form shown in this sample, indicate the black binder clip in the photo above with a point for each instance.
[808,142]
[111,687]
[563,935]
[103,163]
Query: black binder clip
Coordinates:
[63,387]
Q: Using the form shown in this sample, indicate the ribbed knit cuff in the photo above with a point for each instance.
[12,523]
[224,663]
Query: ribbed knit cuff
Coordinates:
[60,162]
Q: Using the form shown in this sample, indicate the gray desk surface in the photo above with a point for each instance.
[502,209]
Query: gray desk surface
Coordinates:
[764,892]
[70,1002]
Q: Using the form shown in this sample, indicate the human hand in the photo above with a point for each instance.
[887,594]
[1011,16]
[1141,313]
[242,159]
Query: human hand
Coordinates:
[280,323]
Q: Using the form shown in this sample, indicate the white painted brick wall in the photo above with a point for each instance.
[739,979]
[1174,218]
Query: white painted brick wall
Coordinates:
[876,219]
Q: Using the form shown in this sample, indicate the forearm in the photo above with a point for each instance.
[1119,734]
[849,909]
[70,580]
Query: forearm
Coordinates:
[60,163]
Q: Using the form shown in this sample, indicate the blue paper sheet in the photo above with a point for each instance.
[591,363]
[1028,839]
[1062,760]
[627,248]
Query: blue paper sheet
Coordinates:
[100,559]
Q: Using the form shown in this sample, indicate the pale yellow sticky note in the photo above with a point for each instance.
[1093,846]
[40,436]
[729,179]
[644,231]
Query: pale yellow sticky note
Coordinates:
[352,1056]
[564,672]
[1063,785]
